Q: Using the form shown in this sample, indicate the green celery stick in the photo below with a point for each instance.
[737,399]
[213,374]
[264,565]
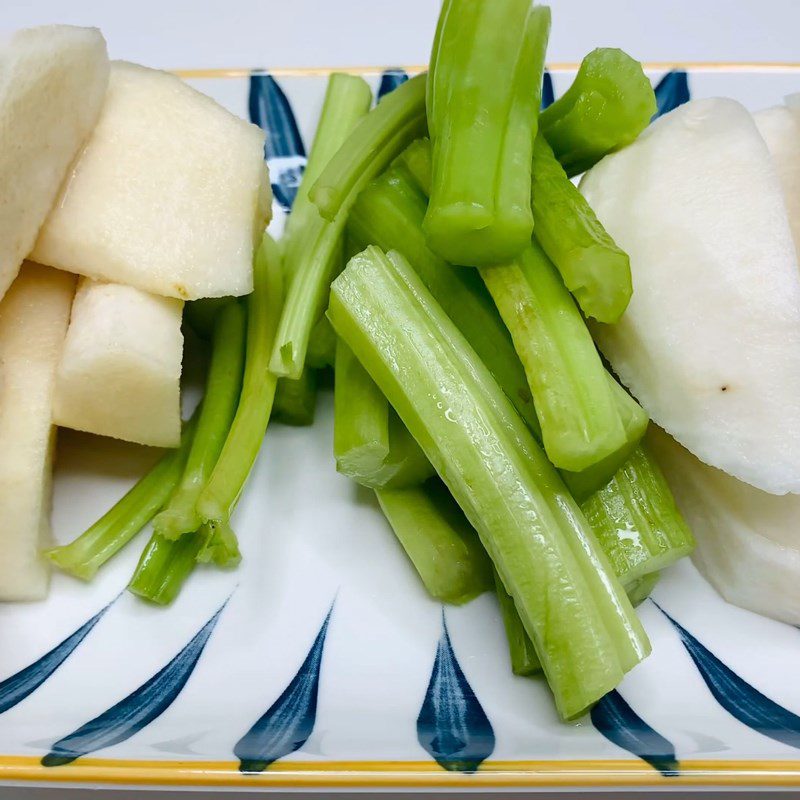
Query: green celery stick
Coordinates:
[640,589]
[378,138]
[416,159]
[524,660]
[608,105]
[441,544]
[484,93]
[88,552]
[636,521]
[201,314]
[388,213]
[574,609]
[296,400]
[407,464]
[321,346]
[594,269]
[575,403]
[218,498]
[223,387]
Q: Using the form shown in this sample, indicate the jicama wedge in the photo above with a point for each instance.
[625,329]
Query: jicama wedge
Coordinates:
[710,343]
[608,105]
[484,93]
[442,545]
[120,369]
[53,85]
[33,322]
[151,204]
[573,608]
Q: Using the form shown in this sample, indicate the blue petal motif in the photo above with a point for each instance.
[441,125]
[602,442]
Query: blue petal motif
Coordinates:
[289,721]
[286,156]
[138,709]
[15,689]
[390,80]
[548,95]
[452,725]
[620,724]
[737,696]
[671,91]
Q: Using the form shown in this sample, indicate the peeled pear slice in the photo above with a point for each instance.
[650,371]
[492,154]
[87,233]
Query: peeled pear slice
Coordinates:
[710,343]
[52,84]
[170,194]
[748,543]
[119,373]
[780,129]
[33,321]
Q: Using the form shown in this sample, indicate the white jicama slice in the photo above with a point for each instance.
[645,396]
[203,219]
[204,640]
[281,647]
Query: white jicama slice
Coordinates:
[780,129]
[52,84]
[747,543]
[170,194]
[120,368]
[33,321]
[710,343]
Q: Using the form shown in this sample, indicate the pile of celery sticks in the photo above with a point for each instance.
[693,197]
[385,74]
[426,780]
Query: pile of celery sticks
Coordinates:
[440,260]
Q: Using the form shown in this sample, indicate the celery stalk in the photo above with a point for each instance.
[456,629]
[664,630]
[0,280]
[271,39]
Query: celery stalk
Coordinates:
[524,660]
[441,544]
[88,552]
[321,346]
[416,158]
[296,400]
[571,604]
[202,314]
[594,269]
[640,589]
[223,387]
[608,105]
[484,93]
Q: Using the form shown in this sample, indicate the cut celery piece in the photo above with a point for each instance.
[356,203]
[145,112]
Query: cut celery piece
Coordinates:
[202,314]
[296,400]
[640,589]
[321,345]
[574,609]
[524,660]
[442,545]
[484,93]
[608,105]
[416,159]
[636,521]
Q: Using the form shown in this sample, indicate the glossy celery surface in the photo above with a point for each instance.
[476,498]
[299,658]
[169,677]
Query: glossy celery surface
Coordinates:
[524,660]
[105,538]
[223,387]
[640,589]
[484,93]
[608,105]
[594,269]
[635,519]
[574,609]
[296,400]
[378,138]
[442,545]
[164,566]
[322,345]
[416,158]
[389,213]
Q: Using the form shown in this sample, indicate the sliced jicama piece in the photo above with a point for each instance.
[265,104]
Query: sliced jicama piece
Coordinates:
[747,540]
[780,129]
[33,321]
[710,343]
[52,83]
[170,194]
[120,368]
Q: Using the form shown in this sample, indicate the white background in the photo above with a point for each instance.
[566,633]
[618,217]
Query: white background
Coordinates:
[264,33]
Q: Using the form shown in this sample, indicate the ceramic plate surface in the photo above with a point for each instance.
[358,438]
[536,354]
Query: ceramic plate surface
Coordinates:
[321,661]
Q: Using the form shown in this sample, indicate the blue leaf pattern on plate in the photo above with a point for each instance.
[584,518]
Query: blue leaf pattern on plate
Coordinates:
[671,91]
[620,724]
[452,725]
[740,699]
[138,709]
[548,95]
[15,689]
[271,110]
[390,80]
[289,721]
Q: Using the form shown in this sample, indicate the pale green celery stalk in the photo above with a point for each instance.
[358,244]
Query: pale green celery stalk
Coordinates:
[388,213]
[296,400]
[407,463]
[378,138]
[85,555]
[484,93]
[416,158]
[636,520]
[608,105]
[524,660]
[594,269]
[202,314]
[640,589]
[441,544]
[321,346]
[223,387]
[575,404]
[574,609]
[218,498]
